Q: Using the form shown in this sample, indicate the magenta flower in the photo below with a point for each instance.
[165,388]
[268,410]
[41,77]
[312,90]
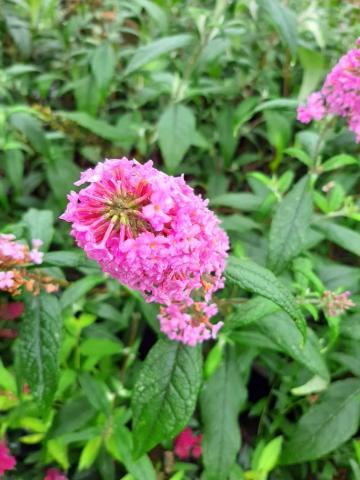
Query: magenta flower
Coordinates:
[187,444]
[152,233]
[7,461]
[11,311]
[55,474]
[340,94]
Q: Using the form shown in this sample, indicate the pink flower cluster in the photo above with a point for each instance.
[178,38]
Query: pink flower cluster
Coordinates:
[335,304]
[187,444]
[54,474]
[11,249]
[340,94]
[7,461]
[14,257]
[151,232]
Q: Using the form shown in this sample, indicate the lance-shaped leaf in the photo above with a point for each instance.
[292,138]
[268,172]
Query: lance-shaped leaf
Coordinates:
[326,425]
[176,129]
[290,226]
[146,53]
[38,347]
[256,279]
[165,393]
[221,400]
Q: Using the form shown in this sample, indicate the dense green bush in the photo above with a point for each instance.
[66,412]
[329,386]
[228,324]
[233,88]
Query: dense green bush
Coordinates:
[208,89]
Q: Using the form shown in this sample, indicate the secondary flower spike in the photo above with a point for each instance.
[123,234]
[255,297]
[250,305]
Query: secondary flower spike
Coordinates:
[340,94]
[151,232]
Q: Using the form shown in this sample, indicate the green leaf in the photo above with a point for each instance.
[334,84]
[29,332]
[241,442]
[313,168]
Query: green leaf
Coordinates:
[7,379]
[120,445]
[243,113]
[96,126]
[290,225]
[238,201]
[221,400]
[338,161]
[61,174]
[283,20]
[342,236]
[96,392]
[89,453]
[299,155]
[39,224]
[78,289]
[269,456]
[326,425]
[59,452]
[278,130]
[157,13]
[14,167]
[103,65]
[256,279]
[276,104]
[282,332]
[176,129]
[146,53]
[165,393]
[316,384]
[227,139]
[100,347]
[38,346]
[72,416]
[70,258]
[313,65]
[250,312]
[238,223]
[336,197]
[31,128]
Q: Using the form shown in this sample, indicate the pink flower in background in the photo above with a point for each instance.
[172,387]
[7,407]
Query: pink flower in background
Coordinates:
[188,445]
[151,232]
[55,474]
[7,461]
[11,311]
[15,258]
[340,94]
[14,252]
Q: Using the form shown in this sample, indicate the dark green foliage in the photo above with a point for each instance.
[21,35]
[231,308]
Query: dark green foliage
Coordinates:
[209,89]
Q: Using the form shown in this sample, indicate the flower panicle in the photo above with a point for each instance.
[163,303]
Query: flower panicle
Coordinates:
[151,232]
[15,258]
[340,94]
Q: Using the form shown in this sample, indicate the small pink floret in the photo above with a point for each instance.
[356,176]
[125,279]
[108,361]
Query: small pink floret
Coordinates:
[6,280]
